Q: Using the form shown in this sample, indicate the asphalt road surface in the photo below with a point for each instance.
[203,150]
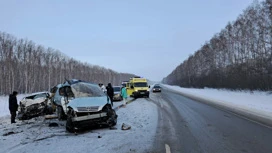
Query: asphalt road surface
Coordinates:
[187,126]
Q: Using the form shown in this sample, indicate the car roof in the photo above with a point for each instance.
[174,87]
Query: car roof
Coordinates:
[37,93]
[74,81]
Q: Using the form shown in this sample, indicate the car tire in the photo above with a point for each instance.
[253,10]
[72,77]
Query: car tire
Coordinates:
[49,110]
[70,125]
[135,96]
[112,116]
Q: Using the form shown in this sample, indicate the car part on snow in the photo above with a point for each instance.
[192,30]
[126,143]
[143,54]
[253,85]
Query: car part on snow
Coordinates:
[8,133]
[54,124]
[125,126]
[50,116]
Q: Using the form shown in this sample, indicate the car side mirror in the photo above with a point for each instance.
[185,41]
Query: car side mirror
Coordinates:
[149,86]
[131,87]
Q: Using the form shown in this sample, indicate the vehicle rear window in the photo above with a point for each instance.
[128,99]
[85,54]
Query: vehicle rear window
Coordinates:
[116,89]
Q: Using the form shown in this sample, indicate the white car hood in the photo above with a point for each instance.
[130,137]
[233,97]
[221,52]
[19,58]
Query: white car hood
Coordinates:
[82,102]
[28,102]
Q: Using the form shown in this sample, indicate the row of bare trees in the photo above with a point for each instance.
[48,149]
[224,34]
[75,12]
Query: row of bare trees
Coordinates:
[239,57]
[27,67]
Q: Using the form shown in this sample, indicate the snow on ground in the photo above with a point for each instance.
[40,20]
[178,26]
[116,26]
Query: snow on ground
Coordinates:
[254,101]
[35,136]
[4,103]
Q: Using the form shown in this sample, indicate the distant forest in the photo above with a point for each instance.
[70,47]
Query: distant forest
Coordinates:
[27,67]
[239,57]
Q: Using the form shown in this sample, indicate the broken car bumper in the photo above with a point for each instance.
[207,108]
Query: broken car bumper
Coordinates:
[89,117]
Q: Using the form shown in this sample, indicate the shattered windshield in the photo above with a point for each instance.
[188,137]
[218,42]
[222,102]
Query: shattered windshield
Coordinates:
[84,89]
[42,95]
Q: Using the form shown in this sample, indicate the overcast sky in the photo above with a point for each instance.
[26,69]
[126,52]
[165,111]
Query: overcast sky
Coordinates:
[149,38]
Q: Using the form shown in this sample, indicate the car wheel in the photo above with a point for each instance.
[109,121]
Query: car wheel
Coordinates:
[70,127]
[112,117]
[49,110]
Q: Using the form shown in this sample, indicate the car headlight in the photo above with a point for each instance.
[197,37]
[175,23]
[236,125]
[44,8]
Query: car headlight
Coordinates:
[136,90]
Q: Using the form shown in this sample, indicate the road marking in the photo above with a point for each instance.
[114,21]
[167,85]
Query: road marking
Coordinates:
[167,148]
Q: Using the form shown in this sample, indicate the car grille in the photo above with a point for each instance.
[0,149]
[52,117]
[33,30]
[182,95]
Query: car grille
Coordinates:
[79,114]
[88,109]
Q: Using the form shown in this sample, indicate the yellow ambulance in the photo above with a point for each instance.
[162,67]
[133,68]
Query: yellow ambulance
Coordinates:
[137,87]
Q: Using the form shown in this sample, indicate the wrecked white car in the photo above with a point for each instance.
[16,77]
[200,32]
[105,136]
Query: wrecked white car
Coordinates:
[34,105]
[84,104]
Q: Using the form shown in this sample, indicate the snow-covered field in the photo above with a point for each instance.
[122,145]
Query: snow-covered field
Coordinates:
[253,101]
[4,104]
[36,136]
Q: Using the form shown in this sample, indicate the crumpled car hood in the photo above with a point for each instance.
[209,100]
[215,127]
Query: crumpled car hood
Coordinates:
[28,102]
[99,102]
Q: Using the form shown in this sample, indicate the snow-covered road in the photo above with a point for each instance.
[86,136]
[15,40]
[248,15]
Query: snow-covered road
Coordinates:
[253,105]
[35,135]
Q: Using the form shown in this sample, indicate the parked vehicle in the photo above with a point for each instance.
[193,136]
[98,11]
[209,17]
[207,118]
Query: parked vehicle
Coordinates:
[156,88]
[84,104]
[34,105]
[124,83]
[117,93]
[138,87]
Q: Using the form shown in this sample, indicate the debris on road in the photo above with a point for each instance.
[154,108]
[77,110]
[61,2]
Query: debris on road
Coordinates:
[8,133]
[125,126]
[53,116]
[54,124]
